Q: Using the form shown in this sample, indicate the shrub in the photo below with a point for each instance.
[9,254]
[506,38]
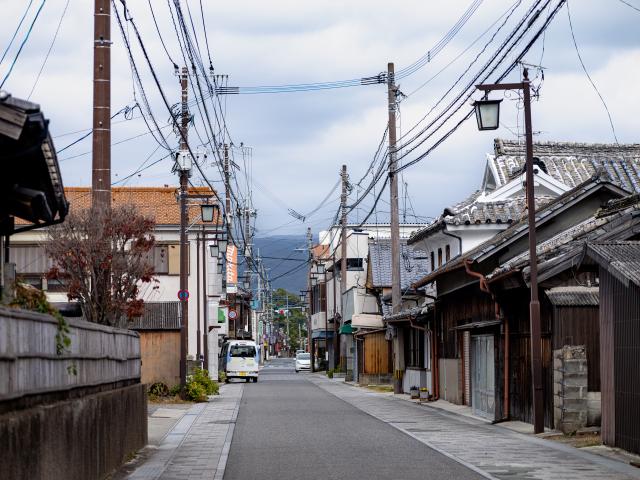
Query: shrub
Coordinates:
[195,392]
[175,390]
[330,373]
[199,386]
[222,377]
[158,389]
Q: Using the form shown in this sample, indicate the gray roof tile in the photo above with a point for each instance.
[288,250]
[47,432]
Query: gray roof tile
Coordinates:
[620,258]
[413,263]
[577,296]
[158,316]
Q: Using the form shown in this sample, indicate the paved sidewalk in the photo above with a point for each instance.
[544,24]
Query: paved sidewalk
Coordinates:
[491,450]
[198,445]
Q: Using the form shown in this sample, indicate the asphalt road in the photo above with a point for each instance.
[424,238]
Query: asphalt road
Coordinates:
[288,428]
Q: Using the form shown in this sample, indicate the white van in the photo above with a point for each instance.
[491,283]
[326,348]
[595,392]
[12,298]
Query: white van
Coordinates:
[239,359]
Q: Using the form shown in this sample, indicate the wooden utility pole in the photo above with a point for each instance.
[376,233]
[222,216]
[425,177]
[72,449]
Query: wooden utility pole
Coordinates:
[101,151]
[396,295]
[184,167]
[343,253]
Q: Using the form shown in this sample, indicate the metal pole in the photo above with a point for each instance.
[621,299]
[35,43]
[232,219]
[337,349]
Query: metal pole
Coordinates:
[310,309]
[184,221]
[198,317]
[534,305]
[205,303]
[396,297]
[343,252]
[101,151]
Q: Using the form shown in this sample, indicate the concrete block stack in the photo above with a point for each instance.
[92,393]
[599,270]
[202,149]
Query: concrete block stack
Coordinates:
[570,397]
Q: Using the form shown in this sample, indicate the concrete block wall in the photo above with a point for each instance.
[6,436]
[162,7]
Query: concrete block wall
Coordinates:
[570,396]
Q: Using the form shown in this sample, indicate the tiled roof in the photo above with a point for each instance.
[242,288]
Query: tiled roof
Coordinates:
[160,203]
[564,248]
[413,263]
[320,252]
[621,259]
[577,296]
[158,316]
[520,227]
[571,163]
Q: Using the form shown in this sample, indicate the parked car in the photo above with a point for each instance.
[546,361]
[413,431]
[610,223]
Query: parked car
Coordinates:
[239,359]
[303,362]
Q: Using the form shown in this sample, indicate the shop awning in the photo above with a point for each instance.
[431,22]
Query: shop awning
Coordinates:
[346,329]
[322,334]
[479,324]
[366,320]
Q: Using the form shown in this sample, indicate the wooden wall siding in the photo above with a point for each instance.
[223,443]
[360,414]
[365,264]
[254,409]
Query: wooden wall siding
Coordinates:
[620,315]
[457,308]
[375,354]
[30,365]
[580,326]
[516,309]
[160,357]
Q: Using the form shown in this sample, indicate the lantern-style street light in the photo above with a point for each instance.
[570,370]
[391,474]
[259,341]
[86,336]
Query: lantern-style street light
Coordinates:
[214,250]
[488,111]
[487,114]
[208,212]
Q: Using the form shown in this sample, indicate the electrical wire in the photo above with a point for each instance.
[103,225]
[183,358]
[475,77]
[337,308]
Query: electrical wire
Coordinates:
[15,33]
[46,57]
[24,41]
[586,72]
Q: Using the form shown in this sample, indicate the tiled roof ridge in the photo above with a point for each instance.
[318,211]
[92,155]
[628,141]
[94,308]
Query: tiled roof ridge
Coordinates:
[509,147]
[139,188]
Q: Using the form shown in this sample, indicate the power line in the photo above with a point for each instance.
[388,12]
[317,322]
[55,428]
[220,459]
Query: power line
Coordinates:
[630,5]
[53,41]
[15,33]
[575,44]
[26,37]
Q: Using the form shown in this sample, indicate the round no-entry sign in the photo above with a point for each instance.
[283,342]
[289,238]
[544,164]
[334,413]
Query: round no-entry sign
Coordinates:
[183,295]
[232,314]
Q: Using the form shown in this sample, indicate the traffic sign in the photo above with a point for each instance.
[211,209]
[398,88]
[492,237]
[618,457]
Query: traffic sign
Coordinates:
[183,295]
[233,314]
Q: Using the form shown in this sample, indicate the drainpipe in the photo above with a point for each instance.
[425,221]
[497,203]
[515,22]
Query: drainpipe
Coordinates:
[484,286]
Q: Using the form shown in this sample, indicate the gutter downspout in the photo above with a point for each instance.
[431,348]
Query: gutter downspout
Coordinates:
[484,286]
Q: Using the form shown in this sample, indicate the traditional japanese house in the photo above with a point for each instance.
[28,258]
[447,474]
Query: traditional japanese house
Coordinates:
[481,319]
[618,266]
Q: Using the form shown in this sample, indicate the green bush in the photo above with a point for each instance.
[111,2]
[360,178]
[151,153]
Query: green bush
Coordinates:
[199,386]
[175,390]
[330,373]
[158,389]
[222,377]
[195,392]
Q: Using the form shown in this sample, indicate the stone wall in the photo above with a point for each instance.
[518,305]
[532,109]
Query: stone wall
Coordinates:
[59,424]
[570,396]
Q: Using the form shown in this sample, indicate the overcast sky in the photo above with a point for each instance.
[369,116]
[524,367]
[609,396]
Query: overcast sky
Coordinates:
[300,140]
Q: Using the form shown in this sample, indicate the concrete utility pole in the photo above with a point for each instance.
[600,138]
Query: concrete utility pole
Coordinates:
[184,220]
[396,295]
[101,151]
[310,293]
[343,249]
[228,217]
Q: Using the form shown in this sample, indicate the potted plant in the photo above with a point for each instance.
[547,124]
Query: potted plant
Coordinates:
[414,392]
[424,394]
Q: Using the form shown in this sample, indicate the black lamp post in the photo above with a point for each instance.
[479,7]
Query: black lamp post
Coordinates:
[488,117]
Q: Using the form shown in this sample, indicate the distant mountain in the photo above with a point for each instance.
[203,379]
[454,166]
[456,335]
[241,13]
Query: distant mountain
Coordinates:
[274,250]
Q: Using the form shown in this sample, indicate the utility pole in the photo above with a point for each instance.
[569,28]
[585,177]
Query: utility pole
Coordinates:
[101,151]
[184,165]
[343,249]
[310,293]
[396,295]
[228,215]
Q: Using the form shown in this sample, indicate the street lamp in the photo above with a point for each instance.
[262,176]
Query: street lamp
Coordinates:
[484,114]
[487,114]
[214,249]
[208,212]
[222,244]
